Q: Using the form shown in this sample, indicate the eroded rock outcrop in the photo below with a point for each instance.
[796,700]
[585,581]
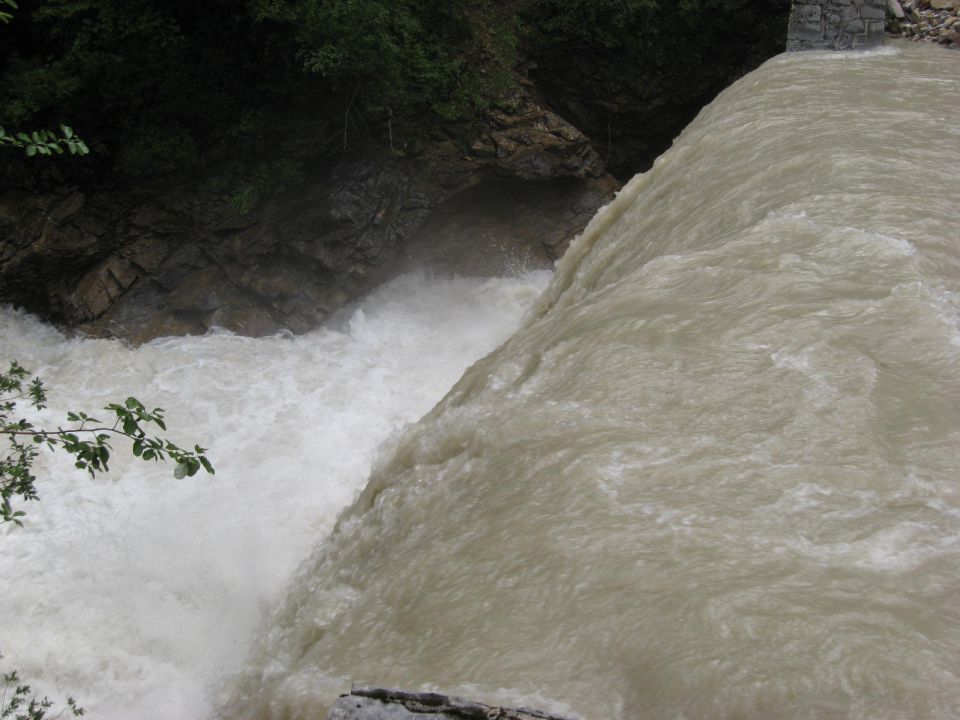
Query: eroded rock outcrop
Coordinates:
[139,266]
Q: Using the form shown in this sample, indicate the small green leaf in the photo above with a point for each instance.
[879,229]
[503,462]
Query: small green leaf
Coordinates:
[180,471]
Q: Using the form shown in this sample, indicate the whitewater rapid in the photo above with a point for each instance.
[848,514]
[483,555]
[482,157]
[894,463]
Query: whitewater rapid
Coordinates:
[135,592]
[715,474]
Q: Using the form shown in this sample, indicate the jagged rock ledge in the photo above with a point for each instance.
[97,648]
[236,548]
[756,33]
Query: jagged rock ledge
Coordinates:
[138,265]
[365,703]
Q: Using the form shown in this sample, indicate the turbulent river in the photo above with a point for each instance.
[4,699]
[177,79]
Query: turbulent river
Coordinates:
[713,475]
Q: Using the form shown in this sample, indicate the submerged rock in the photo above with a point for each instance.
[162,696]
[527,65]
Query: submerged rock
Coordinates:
[381,704]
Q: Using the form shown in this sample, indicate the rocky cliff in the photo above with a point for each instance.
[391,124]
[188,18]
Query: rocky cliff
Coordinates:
[120,263]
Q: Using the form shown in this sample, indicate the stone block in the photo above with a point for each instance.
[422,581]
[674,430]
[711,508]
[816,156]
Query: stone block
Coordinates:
[808,32]
[836,24]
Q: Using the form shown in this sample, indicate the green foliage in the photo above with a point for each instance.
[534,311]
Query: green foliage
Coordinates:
[137,76]
[593,23]
[38,142]
[170,86]
[647,34]
[153,149]
[5,17]
[651,34]
[45,142]
[88,440]
[268,179]
[391,53]
[32,88]
[18,702]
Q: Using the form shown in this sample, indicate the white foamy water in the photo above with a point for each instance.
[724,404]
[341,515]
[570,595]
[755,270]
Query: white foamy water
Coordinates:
[134,591]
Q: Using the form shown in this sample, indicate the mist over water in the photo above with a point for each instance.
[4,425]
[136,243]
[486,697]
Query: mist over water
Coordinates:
[136,592]
[715,474]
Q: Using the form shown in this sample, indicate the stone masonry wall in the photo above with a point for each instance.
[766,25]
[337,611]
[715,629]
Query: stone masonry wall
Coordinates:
[835,24]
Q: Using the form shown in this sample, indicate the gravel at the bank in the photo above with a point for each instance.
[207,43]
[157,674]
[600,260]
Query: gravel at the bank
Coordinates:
[928,20]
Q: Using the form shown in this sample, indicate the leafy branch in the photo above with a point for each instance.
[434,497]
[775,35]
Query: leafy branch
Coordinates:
[24,705]
[45,142]
[6,17]
[88,440]
[40,142]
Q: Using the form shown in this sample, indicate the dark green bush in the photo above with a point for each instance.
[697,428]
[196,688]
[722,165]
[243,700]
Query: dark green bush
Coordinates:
[171,83]
[157,86]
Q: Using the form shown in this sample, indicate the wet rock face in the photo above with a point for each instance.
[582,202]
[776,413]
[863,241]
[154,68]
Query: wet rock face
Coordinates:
[527,142]
[502,227]
[114,264]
